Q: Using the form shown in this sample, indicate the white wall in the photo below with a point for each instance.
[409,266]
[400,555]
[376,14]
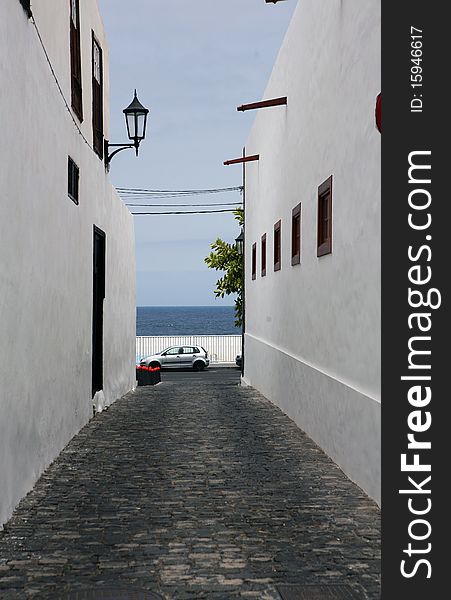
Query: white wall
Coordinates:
[317,324]
[46,249]
[220,348]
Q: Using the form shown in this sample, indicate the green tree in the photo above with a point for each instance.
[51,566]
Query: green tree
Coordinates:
[225,258]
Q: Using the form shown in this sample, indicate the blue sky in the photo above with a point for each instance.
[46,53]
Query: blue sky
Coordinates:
[192,62]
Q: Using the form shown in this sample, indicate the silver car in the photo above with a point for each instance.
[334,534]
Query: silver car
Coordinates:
[179,357]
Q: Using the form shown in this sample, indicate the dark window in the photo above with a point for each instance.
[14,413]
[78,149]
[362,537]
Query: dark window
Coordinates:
[325,218]
[98,297]
[73,175]
[277,241]
[196,351]
[26,6]
[296,235]
[263,254]
[254,261]
[75,59]
[97,97]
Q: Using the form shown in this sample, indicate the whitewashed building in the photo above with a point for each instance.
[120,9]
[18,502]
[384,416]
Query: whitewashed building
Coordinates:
[67,265]
[312,342]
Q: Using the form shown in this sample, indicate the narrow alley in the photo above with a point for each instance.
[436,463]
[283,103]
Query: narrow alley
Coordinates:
[195,488]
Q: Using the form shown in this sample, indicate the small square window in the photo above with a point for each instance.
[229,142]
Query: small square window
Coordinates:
[296,235]
[254,261]
[277,245]
[264,255]
[73,180]
[325,218]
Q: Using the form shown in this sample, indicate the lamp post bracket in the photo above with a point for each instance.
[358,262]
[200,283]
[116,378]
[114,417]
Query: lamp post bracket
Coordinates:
[263,104]
[243,159]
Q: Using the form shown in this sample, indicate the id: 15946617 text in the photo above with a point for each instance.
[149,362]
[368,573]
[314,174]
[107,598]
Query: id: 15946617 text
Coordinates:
[416,69]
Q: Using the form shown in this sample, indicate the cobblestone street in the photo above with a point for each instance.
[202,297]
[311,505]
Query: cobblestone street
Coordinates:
[195,488]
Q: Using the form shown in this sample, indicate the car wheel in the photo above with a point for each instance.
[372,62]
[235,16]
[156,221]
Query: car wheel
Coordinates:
[154,364]
[198,365]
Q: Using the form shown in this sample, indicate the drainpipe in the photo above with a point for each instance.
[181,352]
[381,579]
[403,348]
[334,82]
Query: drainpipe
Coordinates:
[243,291]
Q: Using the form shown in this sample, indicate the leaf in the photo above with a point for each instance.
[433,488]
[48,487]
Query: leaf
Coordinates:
[224,257]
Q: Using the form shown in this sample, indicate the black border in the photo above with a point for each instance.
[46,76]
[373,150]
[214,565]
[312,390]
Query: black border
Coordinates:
[402,133]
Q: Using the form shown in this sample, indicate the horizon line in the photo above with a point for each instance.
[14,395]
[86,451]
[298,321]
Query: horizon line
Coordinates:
[184,306]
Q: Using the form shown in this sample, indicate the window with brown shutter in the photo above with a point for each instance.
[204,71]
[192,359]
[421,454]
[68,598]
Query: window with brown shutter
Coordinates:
[254,261]
[75,59]
[277,244]
[264,255]
[325,218]
[296,235]
[97,97]
[73,176]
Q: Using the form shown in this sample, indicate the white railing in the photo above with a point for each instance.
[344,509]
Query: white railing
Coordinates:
[220,348]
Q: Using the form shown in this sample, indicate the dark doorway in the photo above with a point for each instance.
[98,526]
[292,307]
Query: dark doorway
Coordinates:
[97,309]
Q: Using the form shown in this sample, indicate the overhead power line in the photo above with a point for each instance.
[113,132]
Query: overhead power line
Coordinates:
[157,198]
[191,212]
[58,85]
[148,197]
[188,192]
[192,205]
[142,194]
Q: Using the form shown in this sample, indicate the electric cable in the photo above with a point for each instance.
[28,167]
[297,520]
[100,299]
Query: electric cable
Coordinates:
[122,190]
[58,83]
[192,205]
[197,212]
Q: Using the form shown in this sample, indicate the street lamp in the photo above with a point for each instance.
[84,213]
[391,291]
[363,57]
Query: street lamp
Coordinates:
[239,243]
[136,121]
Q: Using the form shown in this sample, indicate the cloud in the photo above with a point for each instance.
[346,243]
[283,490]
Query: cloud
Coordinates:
[193,63]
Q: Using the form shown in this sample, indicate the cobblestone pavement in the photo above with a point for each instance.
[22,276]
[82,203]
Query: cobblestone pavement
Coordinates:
[195,488]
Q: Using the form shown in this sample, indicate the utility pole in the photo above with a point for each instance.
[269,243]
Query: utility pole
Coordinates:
[243,294]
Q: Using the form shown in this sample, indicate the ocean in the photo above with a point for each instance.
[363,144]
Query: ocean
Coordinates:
[185,320]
